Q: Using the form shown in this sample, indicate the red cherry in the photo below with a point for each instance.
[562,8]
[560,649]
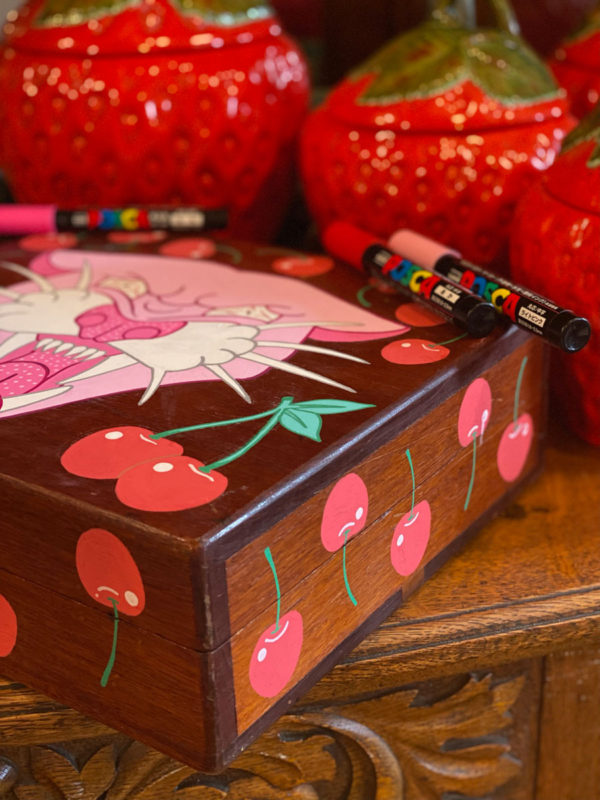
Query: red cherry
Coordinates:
[169,484]
[514,447]
[303,266]
[418,316]
[136,237]
[189,247]
[410,539]
[276,655]
[475,410]
[8,627]
[345,512]
[108,572]
[40,242]
[414,351]
[106,453]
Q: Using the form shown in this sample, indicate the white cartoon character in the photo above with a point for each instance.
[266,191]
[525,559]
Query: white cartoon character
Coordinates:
[91,324]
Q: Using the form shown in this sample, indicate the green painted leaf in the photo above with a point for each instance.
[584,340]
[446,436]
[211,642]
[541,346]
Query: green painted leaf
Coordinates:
[304,423]
[217,12]
[434,57]
[588,130]
[331,406]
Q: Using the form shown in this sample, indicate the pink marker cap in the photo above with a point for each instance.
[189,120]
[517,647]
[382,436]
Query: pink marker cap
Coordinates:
[418,248]
[23,219]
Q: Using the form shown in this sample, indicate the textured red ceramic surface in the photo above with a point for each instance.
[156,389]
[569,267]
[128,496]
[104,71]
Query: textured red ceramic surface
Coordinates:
[152,102]
[576,65]
[555,249]
[441,131]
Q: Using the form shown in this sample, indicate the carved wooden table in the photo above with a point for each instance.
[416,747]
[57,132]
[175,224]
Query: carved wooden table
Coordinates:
[485,684]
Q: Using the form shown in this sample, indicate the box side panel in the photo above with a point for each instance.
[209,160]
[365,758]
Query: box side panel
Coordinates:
[315,609]
[433,441]
[147,687]
[46,540]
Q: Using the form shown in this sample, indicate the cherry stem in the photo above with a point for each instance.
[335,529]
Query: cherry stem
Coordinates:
[235,254]
[360,296]
[251,442]
[269,558]
[113,653]
[448,341]
[472,481]
[350,595]
[412,472]
[518,390]
[285,402]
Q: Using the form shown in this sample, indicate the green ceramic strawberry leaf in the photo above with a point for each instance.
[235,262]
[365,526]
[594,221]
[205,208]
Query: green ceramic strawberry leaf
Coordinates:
[434,57]
[216,12]
[588,130]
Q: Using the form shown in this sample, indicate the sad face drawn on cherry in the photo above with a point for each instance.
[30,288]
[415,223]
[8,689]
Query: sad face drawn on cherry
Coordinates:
[473,419]
[344,515]
[110,576]
[8,627]
[277,650]
[517,438]
[411,534]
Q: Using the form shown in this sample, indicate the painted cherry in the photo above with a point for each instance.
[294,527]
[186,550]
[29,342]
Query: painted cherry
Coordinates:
[411,534]
[414,351]
[8,627]
[190,247]
[107,453]
[136,237]
[301,266]
[516,440]
[40,242]
[277,650]
[110,576]
[344,515]
[473,419]
[169,484]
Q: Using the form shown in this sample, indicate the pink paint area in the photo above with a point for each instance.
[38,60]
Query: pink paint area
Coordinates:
[8,627]
[108,572]
[93,324]
[475,411]
[345,512]
[276,655]
[514,447]
[414,352]
[410,539]
[190,247]
[418,248]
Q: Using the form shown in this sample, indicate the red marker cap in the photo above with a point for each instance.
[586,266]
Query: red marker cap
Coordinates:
[347,242]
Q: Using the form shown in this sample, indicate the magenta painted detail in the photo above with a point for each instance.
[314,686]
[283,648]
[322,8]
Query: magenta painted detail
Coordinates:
[475,411]
[514,447]
[410,539]
[345,512]
[16,219]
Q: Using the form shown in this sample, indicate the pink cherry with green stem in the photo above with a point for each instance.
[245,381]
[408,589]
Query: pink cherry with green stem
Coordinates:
[8,627]
[110,576]
[277,650]
[411,534]
[517,438]
[344,515]
[473,418]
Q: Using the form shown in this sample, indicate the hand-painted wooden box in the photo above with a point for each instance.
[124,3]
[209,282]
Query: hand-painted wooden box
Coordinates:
[221,467]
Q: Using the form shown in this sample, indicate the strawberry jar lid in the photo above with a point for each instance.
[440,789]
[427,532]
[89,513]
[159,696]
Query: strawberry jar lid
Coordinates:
[446,75]
[125,27]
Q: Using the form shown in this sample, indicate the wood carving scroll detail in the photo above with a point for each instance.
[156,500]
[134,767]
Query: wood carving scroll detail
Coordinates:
[397,746]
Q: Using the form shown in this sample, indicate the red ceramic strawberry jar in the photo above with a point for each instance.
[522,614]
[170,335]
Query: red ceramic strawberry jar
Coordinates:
[576,65]
[440,131]
[555,250]
[152,101]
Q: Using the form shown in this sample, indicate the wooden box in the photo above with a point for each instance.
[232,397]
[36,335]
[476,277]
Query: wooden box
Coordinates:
[325,454]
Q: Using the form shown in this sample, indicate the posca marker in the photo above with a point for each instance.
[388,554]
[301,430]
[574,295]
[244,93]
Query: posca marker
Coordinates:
[363,251]
[18,219]
[524,308]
